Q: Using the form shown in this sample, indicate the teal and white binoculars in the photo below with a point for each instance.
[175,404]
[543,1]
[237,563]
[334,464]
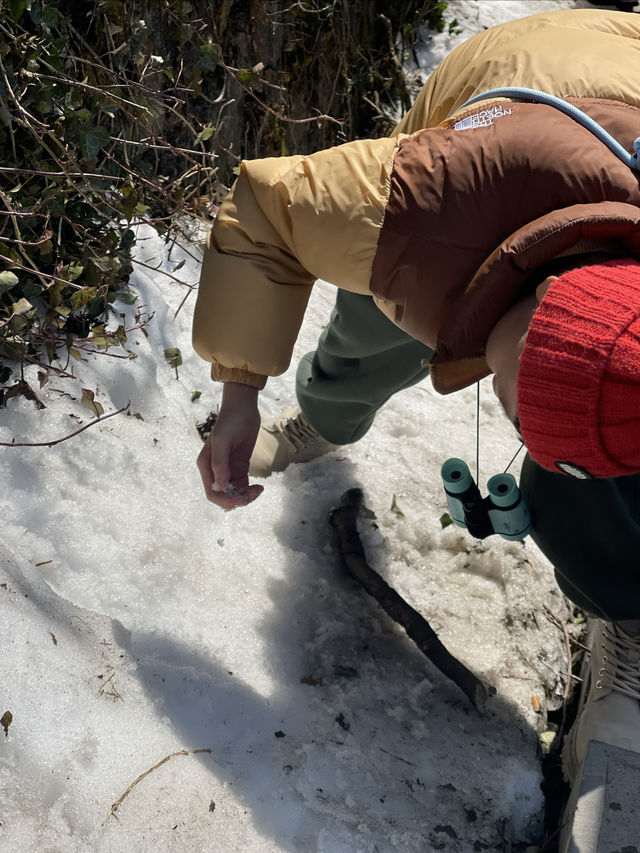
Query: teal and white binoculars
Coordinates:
[503,511]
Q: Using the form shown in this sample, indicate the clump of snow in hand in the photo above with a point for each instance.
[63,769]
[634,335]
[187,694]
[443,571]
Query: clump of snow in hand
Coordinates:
[138,621]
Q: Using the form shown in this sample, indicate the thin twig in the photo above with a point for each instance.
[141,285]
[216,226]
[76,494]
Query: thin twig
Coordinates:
[27,115]
[143,144]
[164,272]
[179,308]
[64,281]
[80,85]
[30,264]
[71,435]
[23,213]
[44,174]
[249,90]
[121,799]
[404,760]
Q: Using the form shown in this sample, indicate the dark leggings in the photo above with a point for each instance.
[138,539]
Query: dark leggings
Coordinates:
[590,531]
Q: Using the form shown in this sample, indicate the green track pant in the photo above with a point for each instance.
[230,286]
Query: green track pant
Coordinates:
[362,359]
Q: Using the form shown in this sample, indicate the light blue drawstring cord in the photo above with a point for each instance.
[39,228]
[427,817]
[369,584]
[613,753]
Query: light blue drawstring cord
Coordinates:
[630,160]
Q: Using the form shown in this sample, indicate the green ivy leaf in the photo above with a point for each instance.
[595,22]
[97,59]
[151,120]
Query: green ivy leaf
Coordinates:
[18,325]
[70,105]
[206,133]
[93,140]
[208,57]
[74,271]
[16,8]
[395,508]
[174,357]
[32,289]
[445,520]
[89,402]
[245,76]
[44,106]
[8,280]
[129,202]
[127,240]
[5,721]
[119,336]
[80,298]
[22,306]
[50,15]
[127,297]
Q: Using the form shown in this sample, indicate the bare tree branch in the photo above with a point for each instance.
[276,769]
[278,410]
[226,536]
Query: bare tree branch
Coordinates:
[66,437]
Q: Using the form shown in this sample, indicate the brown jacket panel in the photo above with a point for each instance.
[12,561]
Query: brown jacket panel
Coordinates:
[509,269]
[457,196]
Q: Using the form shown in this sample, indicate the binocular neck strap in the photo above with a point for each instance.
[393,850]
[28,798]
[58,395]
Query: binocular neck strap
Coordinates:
[515,455]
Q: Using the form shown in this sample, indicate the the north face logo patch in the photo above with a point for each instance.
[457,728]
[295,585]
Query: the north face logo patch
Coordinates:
[484,118]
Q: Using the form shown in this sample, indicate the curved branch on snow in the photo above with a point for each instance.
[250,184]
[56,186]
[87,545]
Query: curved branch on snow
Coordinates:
[343,520]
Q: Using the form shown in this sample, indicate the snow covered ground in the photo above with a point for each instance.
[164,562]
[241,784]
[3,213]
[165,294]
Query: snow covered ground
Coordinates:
[138,622]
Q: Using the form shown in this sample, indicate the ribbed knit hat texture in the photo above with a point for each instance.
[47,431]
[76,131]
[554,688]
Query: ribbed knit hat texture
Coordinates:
[579,375]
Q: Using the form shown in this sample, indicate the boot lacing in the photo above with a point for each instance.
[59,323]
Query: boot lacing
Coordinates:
[620,669]
[297,431]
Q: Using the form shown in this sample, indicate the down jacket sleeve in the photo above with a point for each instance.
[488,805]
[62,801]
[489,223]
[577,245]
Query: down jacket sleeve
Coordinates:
[287,222]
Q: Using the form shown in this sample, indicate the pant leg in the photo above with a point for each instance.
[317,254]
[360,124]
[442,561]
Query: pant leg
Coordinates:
[361,360]
[590,531]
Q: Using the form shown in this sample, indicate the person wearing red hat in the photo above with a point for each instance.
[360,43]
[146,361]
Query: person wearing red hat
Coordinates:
[566,364]
[501,236]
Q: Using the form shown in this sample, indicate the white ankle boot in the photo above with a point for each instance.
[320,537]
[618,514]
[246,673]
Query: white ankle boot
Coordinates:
[289,439]
[609,709]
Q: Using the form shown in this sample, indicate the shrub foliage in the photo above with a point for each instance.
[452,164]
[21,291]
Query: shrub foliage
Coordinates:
[117,110]
[81,132]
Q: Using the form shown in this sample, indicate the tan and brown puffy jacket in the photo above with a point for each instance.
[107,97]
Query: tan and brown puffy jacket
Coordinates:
[441,224]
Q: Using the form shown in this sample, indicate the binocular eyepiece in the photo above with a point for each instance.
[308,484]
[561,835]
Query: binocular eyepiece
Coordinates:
[503,511]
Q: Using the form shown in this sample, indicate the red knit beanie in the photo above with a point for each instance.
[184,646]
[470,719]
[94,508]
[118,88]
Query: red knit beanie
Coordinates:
[579,376]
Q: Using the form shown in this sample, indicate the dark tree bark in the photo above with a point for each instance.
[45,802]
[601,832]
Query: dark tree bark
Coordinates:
[261,73]
[283,62]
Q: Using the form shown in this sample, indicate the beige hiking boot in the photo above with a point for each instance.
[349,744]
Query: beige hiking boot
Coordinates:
[609,709]
[289,439]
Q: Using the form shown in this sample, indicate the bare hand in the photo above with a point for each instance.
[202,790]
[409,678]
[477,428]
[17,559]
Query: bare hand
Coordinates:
[224,460]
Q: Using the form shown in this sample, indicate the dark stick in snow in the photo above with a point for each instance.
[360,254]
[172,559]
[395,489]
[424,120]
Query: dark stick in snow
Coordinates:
[343,520]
